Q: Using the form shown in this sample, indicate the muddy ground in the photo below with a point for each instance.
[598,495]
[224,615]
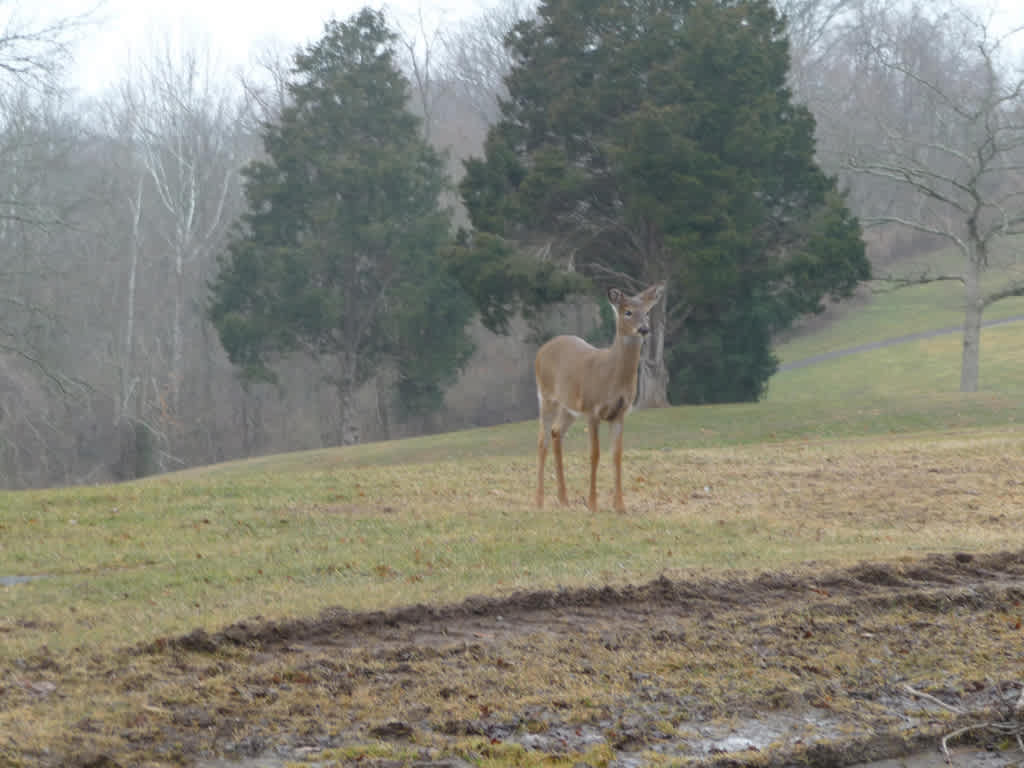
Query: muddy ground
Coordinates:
[816,667]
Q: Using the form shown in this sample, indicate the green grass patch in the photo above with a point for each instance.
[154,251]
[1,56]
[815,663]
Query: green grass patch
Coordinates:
[899,373]
[892,313]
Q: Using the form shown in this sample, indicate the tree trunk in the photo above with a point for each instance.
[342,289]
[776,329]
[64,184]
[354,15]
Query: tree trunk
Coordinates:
[243,403]
[972,328]
[129,379]
[349,427]
[345,383]
[653,382]
[178,335]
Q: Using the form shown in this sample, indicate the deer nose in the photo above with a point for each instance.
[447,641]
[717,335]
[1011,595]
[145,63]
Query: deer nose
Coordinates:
[643,330]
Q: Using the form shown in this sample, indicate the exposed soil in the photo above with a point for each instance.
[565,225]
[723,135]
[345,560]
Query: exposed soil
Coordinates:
[817,667]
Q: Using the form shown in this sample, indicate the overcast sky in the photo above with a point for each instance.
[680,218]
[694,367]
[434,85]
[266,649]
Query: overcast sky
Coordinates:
[234,30]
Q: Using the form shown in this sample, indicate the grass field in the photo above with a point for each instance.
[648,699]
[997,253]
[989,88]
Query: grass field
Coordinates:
[437,519]
[873,456]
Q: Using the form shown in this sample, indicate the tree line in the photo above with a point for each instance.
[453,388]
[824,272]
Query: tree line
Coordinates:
[198,269]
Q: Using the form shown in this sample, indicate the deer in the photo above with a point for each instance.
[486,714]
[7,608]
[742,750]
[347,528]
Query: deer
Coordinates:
[575,379]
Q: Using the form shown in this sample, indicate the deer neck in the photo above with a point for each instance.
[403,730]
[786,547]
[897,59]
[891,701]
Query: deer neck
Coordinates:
[625,355]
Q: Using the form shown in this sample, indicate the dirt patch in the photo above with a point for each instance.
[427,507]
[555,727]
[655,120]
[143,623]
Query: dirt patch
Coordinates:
[523,612]
[822,668]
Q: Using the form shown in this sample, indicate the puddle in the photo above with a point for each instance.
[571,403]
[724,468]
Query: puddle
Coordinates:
[10,581]
[697,739]
[960,758]
[744,738]
[757,734]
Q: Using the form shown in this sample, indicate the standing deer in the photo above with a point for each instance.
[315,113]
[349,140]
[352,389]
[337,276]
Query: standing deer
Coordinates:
[575,379]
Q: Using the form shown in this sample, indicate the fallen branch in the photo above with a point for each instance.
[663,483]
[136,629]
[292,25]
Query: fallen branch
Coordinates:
[934,700]
[1012,726]
[1003,729]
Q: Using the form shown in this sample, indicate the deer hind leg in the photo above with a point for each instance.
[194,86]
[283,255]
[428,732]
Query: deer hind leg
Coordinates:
[616,434]
[563,421]
[548,409]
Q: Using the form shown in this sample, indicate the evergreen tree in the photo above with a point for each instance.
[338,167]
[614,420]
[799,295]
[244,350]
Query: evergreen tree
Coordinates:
[339,254]
[657,139]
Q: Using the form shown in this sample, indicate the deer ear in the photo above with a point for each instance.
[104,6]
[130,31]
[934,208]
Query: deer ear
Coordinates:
[653,293]
[615,296]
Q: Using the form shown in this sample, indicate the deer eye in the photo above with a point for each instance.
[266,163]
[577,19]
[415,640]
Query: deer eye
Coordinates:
[629,313]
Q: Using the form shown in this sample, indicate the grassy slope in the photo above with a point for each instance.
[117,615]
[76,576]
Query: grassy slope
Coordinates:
[895,312]
[909,369]
[812,473]
[743,487]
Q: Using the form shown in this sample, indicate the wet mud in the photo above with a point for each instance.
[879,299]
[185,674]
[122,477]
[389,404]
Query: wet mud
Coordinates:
[814,667]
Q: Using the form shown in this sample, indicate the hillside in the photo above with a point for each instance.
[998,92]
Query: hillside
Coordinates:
[826,360]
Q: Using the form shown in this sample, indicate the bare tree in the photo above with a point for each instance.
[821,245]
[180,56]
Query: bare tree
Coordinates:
[34,49]
[30,212]
[183,118]
[419,47]
[265,85]
[32,54]
[41,285]
[475,59]
[956,145]
[816,30]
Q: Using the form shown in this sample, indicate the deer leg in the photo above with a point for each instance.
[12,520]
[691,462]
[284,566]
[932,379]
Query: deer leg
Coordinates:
[595,457]
[616,430]
[562,424]
[547,416]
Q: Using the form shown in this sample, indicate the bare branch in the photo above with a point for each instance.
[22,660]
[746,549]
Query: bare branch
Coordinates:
[916,225]
[627,280]
[421,46]
[1015,288]
[915,177]
[922,279]
[476,60]
[62,382]
[32,52]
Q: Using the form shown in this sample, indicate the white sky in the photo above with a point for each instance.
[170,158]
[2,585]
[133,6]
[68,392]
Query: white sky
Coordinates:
[234,30]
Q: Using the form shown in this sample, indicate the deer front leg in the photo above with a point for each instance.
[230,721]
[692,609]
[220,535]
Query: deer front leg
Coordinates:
[616,430]
[546,417]
[556,436]
[595,457]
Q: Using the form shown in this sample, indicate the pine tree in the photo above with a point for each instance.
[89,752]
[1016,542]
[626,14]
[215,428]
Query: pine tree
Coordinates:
[657,139]
[339,254]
